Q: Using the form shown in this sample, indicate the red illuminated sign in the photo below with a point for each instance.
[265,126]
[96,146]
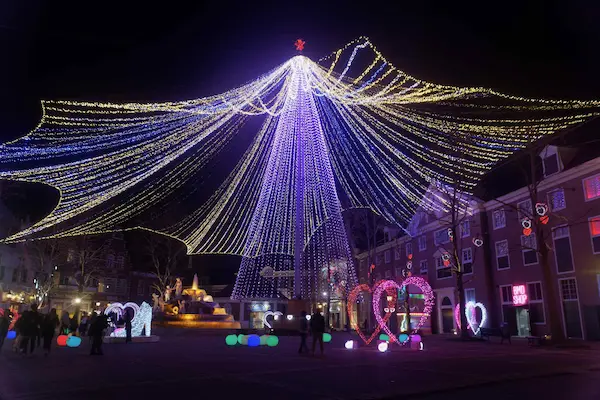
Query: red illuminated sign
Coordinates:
[519,295]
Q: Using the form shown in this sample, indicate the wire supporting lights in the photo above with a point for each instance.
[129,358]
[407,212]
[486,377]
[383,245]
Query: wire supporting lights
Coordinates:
[351,125]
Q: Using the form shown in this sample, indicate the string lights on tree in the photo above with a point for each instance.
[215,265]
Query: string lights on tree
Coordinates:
[350,125]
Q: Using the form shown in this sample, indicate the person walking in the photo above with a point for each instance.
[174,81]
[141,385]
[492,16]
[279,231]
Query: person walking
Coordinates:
[83,325]
[65,321]
[49,325]
[4,324]
[303,333]
[30,327]
[127,326]
[317,329]
[96,331]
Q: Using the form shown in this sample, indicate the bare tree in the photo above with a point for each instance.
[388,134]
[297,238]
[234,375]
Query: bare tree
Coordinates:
[43,257]
[166,255]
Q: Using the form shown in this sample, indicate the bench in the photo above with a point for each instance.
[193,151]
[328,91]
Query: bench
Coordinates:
[488,332]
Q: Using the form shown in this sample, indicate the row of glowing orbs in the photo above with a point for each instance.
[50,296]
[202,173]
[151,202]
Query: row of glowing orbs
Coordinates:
[255,340]
[384,340]
[61,340]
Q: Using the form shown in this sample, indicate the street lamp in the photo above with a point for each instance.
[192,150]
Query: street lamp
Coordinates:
[97,304]
[77,300]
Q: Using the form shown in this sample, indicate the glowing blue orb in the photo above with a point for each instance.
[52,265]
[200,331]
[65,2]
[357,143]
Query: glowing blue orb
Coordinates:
[73,341]
[253,341]
[403,337]
[11,335]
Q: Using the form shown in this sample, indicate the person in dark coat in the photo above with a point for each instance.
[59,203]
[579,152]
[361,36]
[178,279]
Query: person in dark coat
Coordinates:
[4,324]
[96,331]
[303,333]
[317,329]
[128,326]
[30,327]
[49,325]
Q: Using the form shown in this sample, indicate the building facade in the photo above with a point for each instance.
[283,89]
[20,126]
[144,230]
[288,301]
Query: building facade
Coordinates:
[499,258]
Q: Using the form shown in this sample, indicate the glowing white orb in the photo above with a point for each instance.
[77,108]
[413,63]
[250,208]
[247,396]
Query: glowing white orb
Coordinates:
[382,347]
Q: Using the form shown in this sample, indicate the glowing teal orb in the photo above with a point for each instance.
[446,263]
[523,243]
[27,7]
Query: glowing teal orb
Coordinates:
[272,341]
[403,337]
[73,341]
[231,340]
[263,340]
[326,337]
[253,341]
[384,337]
[240,338]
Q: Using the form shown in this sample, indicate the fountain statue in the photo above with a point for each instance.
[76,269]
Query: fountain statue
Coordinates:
[193,307]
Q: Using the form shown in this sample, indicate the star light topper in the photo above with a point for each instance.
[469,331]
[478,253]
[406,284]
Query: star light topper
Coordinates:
[299,43]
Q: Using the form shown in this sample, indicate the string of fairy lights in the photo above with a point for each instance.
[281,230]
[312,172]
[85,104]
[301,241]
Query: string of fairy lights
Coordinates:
[351,121]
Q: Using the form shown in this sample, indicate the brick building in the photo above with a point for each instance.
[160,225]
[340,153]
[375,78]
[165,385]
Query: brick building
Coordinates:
[497,257]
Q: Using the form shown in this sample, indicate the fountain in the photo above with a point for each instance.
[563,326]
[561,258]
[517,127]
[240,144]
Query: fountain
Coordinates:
[194,308]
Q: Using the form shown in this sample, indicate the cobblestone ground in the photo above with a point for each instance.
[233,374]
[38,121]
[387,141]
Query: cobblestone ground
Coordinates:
[186,364]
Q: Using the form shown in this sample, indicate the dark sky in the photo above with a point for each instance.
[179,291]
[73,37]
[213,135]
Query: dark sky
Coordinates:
[175,50]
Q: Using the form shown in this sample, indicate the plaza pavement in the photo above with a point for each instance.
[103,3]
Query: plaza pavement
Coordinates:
[189,365]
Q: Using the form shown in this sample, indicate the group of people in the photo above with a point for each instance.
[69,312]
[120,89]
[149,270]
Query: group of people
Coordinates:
[33,328]
[314,327]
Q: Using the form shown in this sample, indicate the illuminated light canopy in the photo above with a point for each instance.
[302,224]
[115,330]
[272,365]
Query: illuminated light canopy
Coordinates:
[350,125]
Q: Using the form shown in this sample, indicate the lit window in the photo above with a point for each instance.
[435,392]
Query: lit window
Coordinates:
[556,200]
[465,229]
[591,187]
[529,247]
[422,243]
[443,271]
[502,254]
[568,289]
[595,234]
[469,294]
[499,218]
[506,293]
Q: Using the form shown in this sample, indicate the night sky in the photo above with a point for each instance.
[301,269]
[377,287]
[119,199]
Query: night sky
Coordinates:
[175,50]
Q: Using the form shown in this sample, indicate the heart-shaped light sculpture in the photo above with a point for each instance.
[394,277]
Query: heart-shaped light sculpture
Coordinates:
[470,312]
[352,297]
[140,321]
[412,280]
[274,314]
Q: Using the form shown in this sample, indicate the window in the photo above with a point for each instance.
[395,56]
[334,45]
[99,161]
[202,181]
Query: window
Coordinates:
[469,295]
[502,254]
[506,294]
[536,303]
[568,289]
[467,261]
[120,261]
[15,275]
[408,249]
[24,276]
[398,271]
[591,187]
[529,248]
[388,256]
[423,267]
[1,272]
[396,254]
[443,271]
[109,285]
[562,249]
[524,209]
[110,261]
[422,243]
[556,200]
[465,229]
[499,219]
[595,234]
[64,279]
[378,259]
[441,237]
[551,165]
[388,274]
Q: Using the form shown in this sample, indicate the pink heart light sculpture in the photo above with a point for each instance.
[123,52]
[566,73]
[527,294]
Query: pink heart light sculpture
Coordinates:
[387,285]
[353,323]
